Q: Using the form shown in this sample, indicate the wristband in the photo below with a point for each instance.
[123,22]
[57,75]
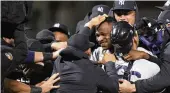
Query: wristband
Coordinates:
[30,57]
[35,89]
[47,56]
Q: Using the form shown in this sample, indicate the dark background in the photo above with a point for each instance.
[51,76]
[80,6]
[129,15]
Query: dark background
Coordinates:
[46,13]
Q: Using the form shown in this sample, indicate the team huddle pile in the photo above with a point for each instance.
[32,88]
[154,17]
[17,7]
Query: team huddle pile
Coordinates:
[112,51]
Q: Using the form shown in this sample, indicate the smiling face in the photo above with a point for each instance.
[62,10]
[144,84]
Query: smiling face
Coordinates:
[103,35]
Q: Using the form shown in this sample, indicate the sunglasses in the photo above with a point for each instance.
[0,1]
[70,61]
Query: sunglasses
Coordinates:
[122,12]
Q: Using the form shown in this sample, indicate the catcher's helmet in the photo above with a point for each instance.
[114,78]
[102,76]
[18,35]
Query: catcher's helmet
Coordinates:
[121,37]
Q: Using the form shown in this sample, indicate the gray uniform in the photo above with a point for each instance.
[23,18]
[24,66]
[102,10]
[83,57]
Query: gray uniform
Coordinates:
[141,69]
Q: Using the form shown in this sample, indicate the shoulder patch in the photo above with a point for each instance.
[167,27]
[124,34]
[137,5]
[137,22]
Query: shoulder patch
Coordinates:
[9,55]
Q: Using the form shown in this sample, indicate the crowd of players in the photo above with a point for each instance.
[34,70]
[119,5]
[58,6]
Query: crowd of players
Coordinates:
[112,51]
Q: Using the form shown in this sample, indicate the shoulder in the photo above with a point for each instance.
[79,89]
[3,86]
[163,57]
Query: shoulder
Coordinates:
[99,49]
[166,53]
[167,48]
[144,50]
[96,54]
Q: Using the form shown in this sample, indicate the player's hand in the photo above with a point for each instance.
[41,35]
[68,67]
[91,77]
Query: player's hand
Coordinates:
[96,20]
[108,57]
[126,87]
[48,85]
[135,55]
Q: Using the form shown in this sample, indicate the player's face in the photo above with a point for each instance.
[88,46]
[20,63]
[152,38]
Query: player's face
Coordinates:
[125,15]
[103,35]
[60,37]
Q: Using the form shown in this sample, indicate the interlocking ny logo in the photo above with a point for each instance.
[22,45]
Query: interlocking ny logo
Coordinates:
[100,9]
[167,3]
[121,2]
[57,25]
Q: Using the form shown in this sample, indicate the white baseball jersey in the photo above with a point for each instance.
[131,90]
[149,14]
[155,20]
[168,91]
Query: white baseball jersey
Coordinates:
[141,69]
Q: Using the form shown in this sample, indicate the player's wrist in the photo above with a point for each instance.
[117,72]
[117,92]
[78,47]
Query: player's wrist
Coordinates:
[145,55]
[35,89]
[89,24]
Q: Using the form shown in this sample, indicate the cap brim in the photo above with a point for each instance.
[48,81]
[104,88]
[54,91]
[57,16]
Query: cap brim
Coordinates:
[122,9]
[94,14]
[54,29]
[161,8]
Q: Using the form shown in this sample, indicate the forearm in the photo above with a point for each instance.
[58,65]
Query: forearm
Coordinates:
[85,31]
[47,47]
[155,83]
[111,70]
[151,58]
[107,83]
[20,50]
[16,87]
[42,56]
[38,57]
[112,73]
[34,57]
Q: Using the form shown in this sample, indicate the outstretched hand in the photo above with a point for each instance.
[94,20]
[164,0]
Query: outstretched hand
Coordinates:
[48,85]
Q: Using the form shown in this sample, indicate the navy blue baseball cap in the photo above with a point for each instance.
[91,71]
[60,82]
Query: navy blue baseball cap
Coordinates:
[57,27]
[124,5]
[45,36]
[99,10]
[96,10]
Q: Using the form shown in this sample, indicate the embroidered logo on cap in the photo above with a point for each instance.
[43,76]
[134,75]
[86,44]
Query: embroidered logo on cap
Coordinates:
[121,2]
[57,25]
[100,9]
